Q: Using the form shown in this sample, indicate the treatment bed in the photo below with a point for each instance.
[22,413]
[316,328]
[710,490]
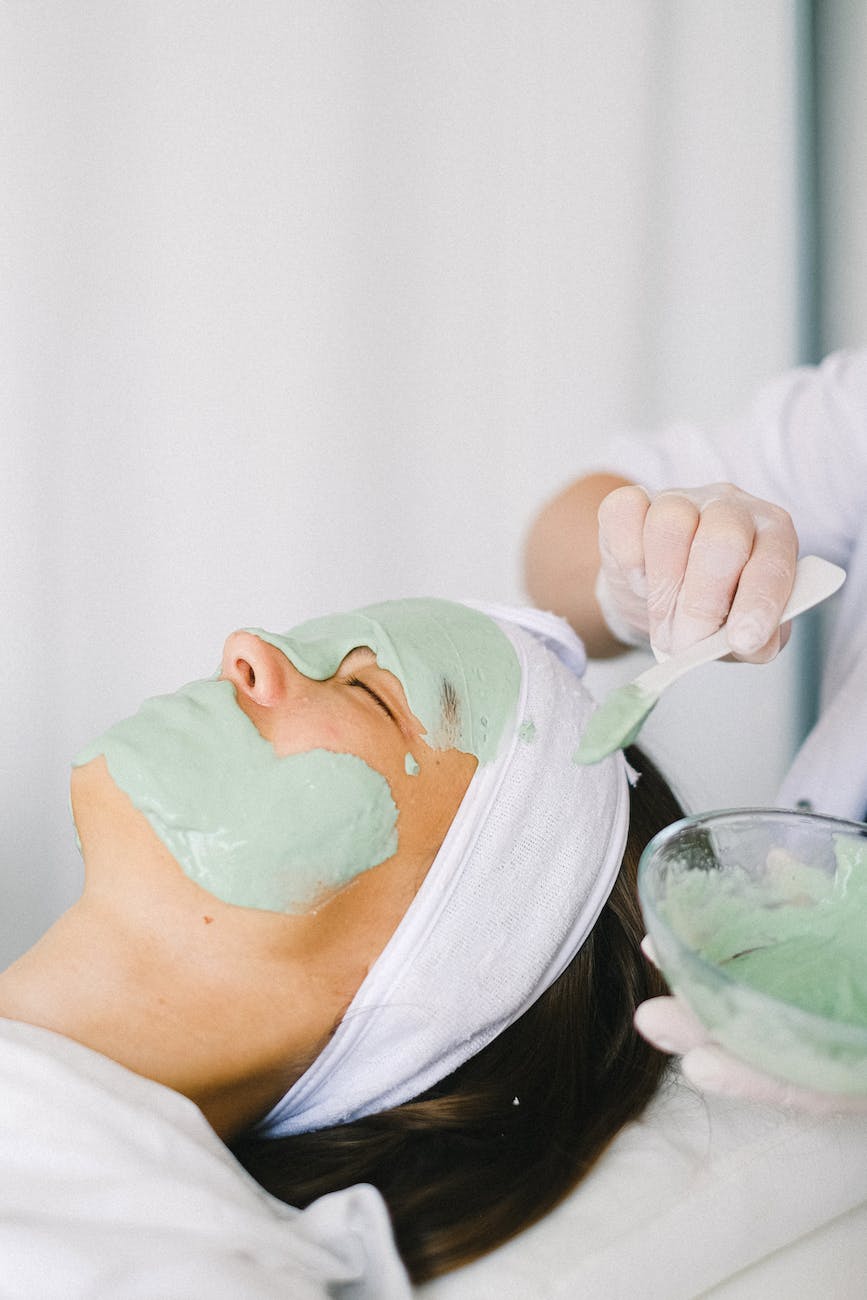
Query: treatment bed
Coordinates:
[116,1186]
[704,1196]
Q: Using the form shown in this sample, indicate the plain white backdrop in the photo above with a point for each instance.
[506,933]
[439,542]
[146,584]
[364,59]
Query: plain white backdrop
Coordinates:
[312,303]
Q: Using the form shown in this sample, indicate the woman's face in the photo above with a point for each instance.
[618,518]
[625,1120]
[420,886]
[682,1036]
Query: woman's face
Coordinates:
[361,710]
[274,790]
[320,754]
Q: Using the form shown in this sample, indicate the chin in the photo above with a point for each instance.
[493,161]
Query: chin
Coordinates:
[99,809]
[82,781]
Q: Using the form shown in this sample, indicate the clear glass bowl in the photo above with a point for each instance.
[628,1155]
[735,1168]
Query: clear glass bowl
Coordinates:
[759,921]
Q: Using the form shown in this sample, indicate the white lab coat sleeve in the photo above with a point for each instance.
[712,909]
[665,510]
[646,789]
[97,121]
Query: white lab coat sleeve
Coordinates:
[801,443]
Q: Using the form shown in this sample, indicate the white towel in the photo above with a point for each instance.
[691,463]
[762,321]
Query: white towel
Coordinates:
[515,889]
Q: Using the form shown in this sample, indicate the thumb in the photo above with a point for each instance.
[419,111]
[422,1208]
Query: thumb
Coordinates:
[712,1069]
[649,951]
[670,1024]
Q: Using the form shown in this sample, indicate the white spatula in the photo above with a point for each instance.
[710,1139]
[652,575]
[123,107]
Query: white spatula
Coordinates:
[620,717]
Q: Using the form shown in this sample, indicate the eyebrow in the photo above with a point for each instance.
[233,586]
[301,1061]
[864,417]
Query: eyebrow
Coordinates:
[451,714]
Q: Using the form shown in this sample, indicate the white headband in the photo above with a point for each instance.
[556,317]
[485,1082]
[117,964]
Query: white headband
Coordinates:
[520,878]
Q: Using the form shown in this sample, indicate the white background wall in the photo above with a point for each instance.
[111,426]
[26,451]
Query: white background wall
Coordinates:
[843,172]
[308,304]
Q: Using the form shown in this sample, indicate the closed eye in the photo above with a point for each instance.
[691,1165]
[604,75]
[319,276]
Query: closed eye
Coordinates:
[356,681]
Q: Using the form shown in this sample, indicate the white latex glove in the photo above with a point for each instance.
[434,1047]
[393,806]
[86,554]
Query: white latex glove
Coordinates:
[669,1024]
[676,565]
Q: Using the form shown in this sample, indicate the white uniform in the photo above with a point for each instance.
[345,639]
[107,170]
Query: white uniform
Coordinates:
[114,1186]
[801,444]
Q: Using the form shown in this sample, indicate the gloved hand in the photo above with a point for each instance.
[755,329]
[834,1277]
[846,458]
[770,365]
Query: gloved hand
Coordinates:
[676,565]
[669,1024]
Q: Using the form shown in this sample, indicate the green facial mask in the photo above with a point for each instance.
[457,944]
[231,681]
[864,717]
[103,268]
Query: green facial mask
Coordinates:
[282,833]
[458,669]
[796,939]
[252,828]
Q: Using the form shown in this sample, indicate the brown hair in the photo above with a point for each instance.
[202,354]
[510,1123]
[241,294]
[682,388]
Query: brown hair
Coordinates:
[503,1139]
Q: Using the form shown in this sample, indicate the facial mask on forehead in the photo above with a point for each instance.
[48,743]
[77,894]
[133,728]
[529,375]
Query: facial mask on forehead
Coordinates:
[458,669]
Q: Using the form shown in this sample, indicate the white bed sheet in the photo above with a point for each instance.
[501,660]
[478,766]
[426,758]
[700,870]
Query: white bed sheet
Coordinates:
[113,1187]
[702,1197]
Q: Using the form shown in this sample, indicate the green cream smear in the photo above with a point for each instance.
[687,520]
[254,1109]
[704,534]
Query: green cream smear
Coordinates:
[252,828]
[284,833]
[411,766]
[796,934]
[458,669]
[791,942]
[527,732]
[615,724]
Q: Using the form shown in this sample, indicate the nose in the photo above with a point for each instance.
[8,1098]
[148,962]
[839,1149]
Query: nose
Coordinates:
[256,668]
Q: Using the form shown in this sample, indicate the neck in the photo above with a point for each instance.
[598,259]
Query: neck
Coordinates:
[179,1009]
[227,1005]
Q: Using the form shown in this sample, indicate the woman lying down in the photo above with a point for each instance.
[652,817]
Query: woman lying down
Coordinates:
[352,899]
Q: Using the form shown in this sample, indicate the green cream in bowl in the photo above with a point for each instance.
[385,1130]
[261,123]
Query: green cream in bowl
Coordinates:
[759,921]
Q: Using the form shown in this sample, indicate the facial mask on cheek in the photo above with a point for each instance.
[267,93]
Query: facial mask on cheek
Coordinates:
[458,669]
[256,830]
